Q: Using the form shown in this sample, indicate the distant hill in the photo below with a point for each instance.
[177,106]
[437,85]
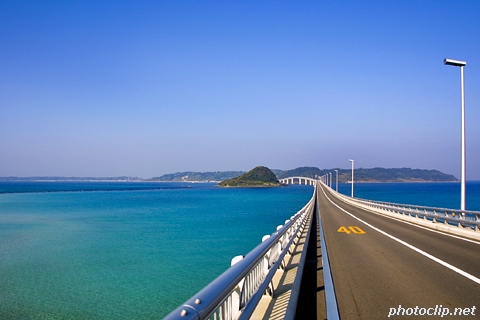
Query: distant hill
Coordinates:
[309,172]
[257,177]
[344,175]
[198,176]
[372,175]
[398,175]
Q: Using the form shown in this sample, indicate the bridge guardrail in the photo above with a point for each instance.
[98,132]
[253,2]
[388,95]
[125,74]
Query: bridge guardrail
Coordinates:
[236,292]
[461,219]
[331,305]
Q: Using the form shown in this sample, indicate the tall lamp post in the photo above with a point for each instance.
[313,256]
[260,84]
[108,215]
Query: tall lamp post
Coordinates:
[337,180]
[352,161]
[330,179]
[461,64]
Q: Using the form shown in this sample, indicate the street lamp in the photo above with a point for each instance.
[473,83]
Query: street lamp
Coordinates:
[330,179]
[461,64]
[352,161]
[337,180]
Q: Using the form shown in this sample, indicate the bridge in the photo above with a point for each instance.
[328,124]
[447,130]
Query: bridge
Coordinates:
[346,258]
[299,180]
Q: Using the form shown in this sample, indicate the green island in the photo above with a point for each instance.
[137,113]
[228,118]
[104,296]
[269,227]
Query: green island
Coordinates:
[257,177]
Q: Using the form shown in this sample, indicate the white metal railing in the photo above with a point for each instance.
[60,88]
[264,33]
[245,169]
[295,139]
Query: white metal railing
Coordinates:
[468,220]
[236,292]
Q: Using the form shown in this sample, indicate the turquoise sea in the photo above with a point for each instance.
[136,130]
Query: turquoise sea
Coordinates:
[80,250]
[114,250]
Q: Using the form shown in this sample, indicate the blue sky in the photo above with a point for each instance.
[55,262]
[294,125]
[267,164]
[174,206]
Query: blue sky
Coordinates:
[144,88]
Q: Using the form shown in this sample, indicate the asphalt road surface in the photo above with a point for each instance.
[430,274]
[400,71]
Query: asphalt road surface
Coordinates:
[383,267]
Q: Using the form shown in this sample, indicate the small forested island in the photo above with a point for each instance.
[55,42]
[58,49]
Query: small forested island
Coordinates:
[257,177]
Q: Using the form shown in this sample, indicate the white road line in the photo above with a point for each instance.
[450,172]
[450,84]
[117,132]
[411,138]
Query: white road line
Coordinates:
[443,263]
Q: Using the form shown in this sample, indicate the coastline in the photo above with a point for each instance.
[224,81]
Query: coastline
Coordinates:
[254,186]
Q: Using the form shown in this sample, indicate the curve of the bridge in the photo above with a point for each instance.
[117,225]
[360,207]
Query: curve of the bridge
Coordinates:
[298,180]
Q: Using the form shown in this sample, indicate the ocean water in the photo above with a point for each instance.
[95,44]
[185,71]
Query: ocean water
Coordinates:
[107,250]
[95,250]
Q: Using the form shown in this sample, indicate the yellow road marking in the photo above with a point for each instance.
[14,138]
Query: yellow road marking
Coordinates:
[354,229]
